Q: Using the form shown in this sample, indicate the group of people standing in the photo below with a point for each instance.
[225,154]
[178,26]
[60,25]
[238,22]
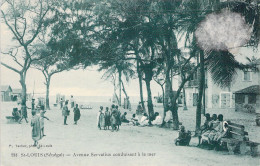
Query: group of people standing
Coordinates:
[66,111]
[108,118]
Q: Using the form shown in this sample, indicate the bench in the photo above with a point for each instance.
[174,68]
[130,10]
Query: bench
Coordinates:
[257,119]
[237,139]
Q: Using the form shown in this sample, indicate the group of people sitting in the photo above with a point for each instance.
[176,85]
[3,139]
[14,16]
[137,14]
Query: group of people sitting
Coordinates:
[213,129]
[113,117]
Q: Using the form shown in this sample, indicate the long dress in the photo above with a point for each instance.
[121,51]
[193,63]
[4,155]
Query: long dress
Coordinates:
[76,114]
[107,118]
[36,131]
[113,119]
[101,119]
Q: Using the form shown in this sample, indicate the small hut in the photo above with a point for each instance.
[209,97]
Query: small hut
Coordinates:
[248,99]
[6,93]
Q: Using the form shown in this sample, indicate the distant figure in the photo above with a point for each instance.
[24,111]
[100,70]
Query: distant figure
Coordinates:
[144,120]
[107,118]
[139,109]
[134,120]
[113,119]
[157,120]
[184,137]
[36,128]
[123,118]
[33,104]
[65,112]
[23,114]
[72,102]
[16,114]
[42,112]
[76,114]
[101,118]
[118,115]
[61,103]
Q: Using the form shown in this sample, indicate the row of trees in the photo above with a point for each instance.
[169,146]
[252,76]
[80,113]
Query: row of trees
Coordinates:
[134,39]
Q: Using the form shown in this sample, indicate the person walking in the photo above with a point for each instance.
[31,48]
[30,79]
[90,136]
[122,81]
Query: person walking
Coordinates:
[65,112]
[76,114]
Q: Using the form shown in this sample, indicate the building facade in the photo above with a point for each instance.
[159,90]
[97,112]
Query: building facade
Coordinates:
[217,97]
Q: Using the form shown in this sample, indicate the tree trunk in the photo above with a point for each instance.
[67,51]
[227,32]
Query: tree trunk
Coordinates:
[201,85]
[48,92]
[184,100]
[140,84]
[149,98]
[22,82]
[120,87]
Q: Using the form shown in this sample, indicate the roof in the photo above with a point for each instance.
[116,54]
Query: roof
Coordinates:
[254,89]
[4,88]
[17,90]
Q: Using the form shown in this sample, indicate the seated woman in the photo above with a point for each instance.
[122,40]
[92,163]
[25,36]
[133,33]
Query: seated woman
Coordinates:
[184,137]
[134,120]
[216,128]
[209,133]
[16,114]
[168,117]
[123,118]
[205,126]
[221,129]
[144,120]
[157,120]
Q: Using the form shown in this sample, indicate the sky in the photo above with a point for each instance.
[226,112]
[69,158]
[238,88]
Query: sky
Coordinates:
[80,82]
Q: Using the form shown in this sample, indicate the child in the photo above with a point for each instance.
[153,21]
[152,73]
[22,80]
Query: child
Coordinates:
[184,137]
[36,128]
[42,112]
[76,114]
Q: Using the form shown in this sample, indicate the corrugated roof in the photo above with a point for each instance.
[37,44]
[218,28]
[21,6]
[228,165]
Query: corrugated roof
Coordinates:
[5,88]
[254,89]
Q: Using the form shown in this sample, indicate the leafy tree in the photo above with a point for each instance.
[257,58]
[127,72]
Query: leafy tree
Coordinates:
[25,20]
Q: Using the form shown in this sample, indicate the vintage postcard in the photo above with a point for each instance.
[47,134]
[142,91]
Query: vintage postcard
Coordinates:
[130,83]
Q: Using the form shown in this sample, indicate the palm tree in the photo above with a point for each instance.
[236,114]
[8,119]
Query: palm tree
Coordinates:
[221,64]
[122,68]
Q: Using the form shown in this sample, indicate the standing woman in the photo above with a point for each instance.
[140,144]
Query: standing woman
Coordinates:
[76,114]
[101,118]
[65,112]
[113,119]
[107,118]
[42,116]
[36,128]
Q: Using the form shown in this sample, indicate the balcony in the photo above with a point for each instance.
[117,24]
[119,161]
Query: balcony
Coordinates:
[194,84]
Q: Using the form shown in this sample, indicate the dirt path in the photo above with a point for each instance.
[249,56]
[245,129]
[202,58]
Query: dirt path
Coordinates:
[85,144]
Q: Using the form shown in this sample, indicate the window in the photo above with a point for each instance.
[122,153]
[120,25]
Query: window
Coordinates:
[247,76]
